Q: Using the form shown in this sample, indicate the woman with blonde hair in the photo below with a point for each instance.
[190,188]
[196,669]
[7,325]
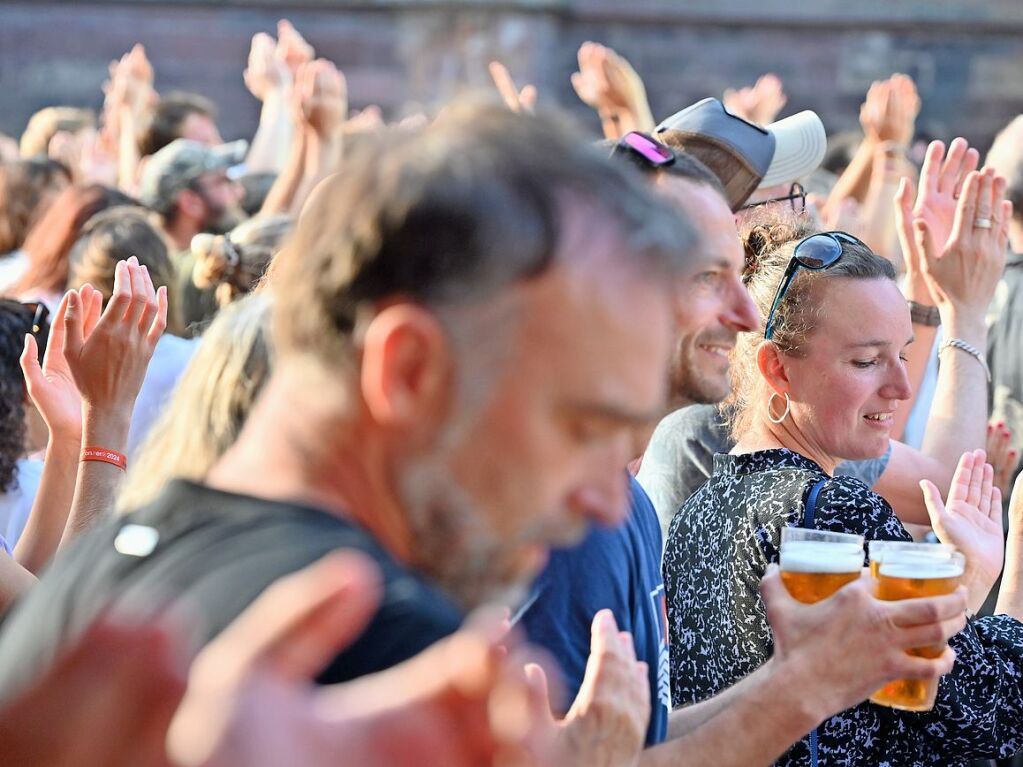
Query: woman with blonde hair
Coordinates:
[817,383]
[210,404]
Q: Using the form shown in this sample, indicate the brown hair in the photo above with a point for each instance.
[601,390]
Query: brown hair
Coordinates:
[168,117]
[769,238]
[453,214]
[117,234]
[234,263]
[49,243]
[25,193]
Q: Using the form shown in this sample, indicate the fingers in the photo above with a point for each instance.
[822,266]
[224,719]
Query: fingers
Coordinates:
[950,169]
[527,98]
[995,512]
[935,507]
[120,299]
[925,245]
[159,324]
[907,613]
[966,210]
[984,196]
[930,173]
[973,495]
[539,694]
[30,364]
[505,85]
[986,489]
[932,633]
[73,326]
[92,302]
[912,667]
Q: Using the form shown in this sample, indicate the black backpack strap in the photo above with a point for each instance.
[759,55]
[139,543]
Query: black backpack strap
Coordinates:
[811,502]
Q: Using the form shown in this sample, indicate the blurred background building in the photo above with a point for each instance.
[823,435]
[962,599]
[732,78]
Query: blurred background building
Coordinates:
[965,55]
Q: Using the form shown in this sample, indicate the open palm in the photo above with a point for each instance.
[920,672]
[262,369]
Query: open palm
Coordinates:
[51,385]
[971,520]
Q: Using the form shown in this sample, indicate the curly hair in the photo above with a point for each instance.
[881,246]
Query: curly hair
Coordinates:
[16,321]
[233,264]
[769,238]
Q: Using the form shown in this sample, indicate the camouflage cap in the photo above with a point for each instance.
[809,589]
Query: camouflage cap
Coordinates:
[179,164]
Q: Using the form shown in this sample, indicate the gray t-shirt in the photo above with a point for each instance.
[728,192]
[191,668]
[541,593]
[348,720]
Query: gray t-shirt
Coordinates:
[680,457]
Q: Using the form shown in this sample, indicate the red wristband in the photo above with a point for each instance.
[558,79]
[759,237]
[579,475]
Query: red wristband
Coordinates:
[105,456]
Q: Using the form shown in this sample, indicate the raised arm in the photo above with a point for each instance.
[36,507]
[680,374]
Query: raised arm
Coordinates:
[52,388]
[269,78]
[108,367]
[961,274]
[321,99]
[608,83]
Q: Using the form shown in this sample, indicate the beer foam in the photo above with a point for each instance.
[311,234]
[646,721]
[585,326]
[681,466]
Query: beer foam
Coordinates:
[821,557]
[920,568]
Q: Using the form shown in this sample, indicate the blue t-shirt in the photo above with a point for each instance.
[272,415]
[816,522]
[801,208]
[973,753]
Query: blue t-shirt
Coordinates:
[617,568]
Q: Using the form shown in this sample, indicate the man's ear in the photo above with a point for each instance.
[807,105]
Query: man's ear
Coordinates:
[771,362]
[407,366]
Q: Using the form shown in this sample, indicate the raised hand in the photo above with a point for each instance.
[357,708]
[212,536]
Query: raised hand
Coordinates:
[51,385]
[322,96]
[266,71]
[292,48]
[108,357]
[517,100]
[759,103]
[607,722]
[889,111]
[608,83]
[964,270]
[971,520]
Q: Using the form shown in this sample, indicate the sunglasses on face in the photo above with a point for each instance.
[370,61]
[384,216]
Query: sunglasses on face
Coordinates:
[816,252]
[796,198]
[644,151]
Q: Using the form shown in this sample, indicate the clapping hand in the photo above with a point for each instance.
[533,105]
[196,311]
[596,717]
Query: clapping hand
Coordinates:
[267,71]
[759,103]
[971,520]
[108,357]
[606,724]
[889,111]
[517,100]
[322,97]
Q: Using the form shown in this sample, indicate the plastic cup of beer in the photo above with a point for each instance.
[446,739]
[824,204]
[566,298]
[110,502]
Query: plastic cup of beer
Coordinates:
[815,564]
[908,574]
[877,549]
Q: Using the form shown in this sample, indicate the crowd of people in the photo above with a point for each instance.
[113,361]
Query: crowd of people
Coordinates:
[473,439]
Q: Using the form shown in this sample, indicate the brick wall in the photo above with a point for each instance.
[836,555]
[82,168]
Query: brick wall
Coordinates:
[967,55]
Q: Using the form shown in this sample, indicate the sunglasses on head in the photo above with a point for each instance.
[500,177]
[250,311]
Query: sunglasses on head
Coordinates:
[796,198]
[644,151]
[816,252]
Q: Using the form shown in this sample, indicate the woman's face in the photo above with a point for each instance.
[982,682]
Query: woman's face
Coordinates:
[846,388]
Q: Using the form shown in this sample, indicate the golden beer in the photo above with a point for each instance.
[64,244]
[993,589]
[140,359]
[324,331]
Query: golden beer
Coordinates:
[815,564]
[908,575]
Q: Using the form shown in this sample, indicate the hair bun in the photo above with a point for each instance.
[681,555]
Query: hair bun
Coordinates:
[214,258]
[763,235]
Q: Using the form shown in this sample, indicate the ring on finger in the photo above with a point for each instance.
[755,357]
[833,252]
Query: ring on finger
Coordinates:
[981,222]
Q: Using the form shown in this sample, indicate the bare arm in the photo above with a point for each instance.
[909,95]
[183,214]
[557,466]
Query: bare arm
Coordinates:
[52,389]
[1010,593]
[961,274]
[268,78]
[15,580]
[828,657]
[109,367]
[608,83]
[322,97]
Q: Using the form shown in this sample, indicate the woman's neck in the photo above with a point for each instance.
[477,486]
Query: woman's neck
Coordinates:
[763,435]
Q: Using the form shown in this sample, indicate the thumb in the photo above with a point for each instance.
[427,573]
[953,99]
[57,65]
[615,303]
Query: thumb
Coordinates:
[30,363]
[772,590]
[539,694]
[935,506]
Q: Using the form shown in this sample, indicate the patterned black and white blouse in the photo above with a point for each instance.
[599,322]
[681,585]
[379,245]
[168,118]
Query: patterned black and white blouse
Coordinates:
[719,546]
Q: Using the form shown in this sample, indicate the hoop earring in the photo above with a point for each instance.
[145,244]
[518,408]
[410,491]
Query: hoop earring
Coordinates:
[784,415]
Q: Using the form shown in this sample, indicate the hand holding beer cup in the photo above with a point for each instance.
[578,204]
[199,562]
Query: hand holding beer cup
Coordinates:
[842,649]
[972,522]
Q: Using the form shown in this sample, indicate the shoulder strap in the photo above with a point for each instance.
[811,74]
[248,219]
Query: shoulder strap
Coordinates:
[811,502]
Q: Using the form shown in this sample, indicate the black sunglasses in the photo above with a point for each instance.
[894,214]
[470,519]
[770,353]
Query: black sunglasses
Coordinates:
[816,252]
[796,198]
[643,151]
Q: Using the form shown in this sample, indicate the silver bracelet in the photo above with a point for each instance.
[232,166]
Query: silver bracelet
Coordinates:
[961,345]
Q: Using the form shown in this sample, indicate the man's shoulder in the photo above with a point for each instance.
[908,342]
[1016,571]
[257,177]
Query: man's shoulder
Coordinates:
[217,551]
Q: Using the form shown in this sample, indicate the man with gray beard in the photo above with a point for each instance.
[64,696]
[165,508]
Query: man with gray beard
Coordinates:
[468,325]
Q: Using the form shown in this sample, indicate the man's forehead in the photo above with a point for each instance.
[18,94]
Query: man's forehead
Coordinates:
[719,240]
